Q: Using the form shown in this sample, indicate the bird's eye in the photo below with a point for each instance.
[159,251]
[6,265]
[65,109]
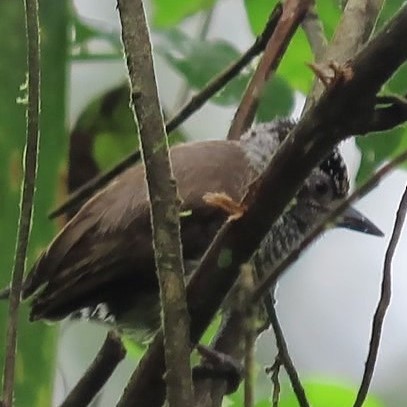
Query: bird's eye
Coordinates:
[321,188]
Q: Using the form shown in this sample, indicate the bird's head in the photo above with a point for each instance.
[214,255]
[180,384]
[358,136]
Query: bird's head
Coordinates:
[323,190]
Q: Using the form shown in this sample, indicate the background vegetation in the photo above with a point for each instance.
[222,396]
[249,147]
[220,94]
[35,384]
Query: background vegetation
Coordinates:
[104,133]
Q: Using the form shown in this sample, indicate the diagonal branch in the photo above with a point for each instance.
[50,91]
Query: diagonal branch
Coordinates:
[27,195]
[109,356]
[293,13]
[284,356]
[383,304]
[354,29]
[314,30]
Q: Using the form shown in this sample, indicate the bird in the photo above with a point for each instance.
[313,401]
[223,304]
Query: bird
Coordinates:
[100,266]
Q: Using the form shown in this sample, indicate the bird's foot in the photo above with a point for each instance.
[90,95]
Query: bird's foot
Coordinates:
[226,203]
[332,74]
[218,365]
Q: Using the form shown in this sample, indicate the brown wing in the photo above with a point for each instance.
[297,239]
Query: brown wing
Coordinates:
[107,246]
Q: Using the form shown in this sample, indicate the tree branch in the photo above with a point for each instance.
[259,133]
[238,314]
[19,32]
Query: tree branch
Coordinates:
[27,195]
[314,31]
[354,29]
[195,103]
[293,13]
[284,356]
[109,356]
[164,201]
[337,114]
[383,304]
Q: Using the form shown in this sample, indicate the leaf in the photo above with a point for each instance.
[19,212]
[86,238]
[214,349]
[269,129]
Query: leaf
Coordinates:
[379,147]
[258,12]
[277,100]
[321,394]
[199,61]
[329,12]
[168,12]
[83,33]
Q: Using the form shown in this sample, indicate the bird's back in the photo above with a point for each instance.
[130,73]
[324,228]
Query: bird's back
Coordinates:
[105,251]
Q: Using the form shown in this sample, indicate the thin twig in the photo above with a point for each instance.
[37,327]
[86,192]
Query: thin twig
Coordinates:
[195,103]
[247,285]
[293,13]
[274,371]
[284,356]
[272,277]
[109,356]
[164,202]
[354,29]
[27,195]
[383,303]
[315,33]
[185,89]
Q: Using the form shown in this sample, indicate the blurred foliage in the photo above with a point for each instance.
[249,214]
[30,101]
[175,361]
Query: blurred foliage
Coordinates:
[198,61]
[319,394]
[105,132]
[37,342]
[168,12]
[323,394]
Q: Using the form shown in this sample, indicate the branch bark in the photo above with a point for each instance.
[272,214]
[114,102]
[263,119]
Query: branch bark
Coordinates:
[164,201]
[293,13]
[109,356]
[342,110]
[27,195]
[354,29]
[383,304]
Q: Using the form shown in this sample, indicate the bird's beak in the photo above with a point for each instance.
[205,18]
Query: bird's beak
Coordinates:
[354,220]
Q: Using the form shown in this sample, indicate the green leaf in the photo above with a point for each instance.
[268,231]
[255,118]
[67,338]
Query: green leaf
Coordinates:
[167,13]
[378,147]
[390,8]
[258,12]
[277,100]
[329,12]
[199,61]
[398,83]
[327,395]
[83,33]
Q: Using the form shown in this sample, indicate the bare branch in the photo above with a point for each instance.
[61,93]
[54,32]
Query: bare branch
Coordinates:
[109,356]
[284,356]
[274,371]
[27,195]
[164,201]
[314,30]
[354,29]
[250,317]
[195,103]
[293,13]
[383,304]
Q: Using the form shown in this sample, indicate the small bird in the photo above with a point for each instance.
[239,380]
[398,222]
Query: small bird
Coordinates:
[101,264]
